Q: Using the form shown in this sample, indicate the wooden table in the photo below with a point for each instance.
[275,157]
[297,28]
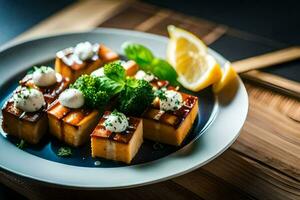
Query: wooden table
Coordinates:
[264,162]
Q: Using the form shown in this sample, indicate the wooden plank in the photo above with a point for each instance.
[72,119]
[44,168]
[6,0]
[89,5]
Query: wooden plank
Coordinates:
[152,21]
[199,27]
[254,178]
[37,191]
[274,82]
[80,16]
[155,20]
[130,17]
[267,60]
[272,138]
[264,161]
[209,186]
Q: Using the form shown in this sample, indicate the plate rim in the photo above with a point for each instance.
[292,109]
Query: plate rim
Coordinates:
[112,185]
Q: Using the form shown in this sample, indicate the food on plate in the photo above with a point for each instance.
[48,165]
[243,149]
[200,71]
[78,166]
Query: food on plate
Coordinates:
[170,117]
[46,80]
[130,67]
[130,96]
[196,68]
[24,113]
[84,58]
[140,96]
[135,97]
[149,63]
[69,121]
[117,137]
[228,76]
[80,105]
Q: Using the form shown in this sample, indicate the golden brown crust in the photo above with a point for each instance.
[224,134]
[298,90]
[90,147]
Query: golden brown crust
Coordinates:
[74,70]
[123,137]
[73,126]
[170,127]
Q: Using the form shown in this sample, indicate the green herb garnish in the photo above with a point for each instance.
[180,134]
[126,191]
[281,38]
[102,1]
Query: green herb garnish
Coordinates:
[64,151]
[115,71]
[136,96]
[94,93]
[160,94]
[139,53]
[21,144]
[43,69]
[147,62]
[132,95]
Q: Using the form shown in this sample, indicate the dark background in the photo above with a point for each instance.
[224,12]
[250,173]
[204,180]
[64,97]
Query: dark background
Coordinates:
[276,20]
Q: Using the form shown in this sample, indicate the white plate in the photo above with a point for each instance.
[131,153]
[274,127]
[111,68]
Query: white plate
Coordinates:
[225,128]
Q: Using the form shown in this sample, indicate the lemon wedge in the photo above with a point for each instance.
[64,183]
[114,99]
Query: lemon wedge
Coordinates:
[228,75]
[196,69]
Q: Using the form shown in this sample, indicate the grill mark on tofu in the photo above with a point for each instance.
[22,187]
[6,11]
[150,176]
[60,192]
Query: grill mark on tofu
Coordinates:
[75,116]
[123,137]
[67,115]
[9,107]
[57,110]
[171,118]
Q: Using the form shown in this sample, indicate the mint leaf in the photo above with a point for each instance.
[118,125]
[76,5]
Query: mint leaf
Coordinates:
[164,71]
[147,62]
[139,53]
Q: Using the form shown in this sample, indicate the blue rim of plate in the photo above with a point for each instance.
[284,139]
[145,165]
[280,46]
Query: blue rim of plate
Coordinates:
[226,121]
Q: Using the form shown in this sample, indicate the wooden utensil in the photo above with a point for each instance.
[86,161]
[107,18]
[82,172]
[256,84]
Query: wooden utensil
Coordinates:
[247,69]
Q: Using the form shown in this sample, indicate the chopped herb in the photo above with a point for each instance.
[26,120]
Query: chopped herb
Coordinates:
[21,144]
[64,152]
[119,120]
[161,94]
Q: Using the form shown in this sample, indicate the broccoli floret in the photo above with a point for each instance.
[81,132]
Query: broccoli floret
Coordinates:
[115,71]
[136,96]
[90,86]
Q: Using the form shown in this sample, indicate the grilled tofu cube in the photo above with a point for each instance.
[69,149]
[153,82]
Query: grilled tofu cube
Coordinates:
[130,67]
[31,126]
[72,126]
[67,65]
[170,127]
[117,146]
[27,126]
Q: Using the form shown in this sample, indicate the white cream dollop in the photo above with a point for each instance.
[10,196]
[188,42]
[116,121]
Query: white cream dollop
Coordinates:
[28,99]
[44,76]
[116,122]
[141,75]
[98,72]
[84,50]
[71,98]
[172,101]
